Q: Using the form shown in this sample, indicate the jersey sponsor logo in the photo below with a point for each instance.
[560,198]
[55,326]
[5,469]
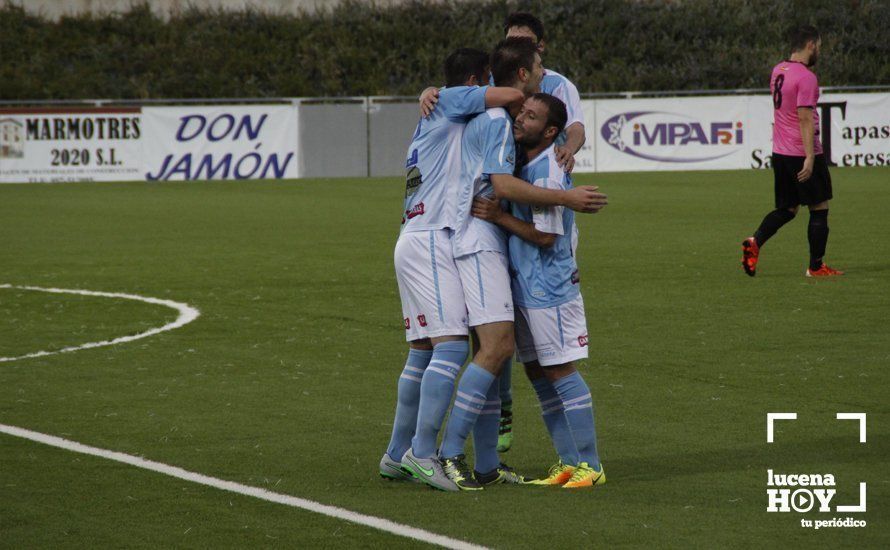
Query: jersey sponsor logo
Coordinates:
[414,211]
[646,134]
[413,181]
[582,340]
[421,320]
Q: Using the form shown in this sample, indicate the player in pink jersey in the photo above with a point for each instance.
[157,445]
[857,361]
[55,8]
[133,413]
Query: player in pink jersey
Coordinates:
[799,166]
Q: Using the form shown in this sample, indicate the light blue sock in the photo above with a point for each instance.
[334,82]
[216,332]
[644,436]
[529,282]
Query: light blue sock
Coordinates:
[485,432]
[470,400]
[578,405]
[505,383]
[436,388]
[405,422]
[554,417]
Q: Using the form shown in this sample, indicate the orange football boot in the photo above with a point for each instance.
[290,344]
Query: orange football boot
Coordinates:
[824,271]
[750,252]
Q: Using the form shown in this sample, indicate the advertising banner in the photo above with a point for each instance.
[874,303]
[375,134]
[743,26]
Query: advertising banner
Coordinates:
[262,141]
[724,133]
[83,144]
[703,133]
[856,129]
[221,142]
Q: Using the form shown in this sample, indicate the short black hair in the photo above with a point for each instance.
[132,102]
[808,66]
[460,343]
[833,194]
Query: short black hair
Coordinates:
[510,55]
[464,63]
[556,111]
[523,19]
[799,36]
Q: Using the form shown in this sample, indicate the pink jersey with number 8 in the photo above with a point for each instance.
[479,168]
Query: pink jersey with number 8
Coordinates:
[793,85]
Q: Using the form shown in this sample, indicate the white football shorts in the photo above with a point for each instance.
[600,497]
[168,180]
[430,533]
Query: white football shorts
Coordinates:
[485,277]
[552,335]
[429,285]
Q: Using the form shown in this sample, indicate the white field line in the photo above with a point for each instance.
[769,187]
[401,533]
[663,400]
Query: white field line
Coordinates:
[187,314]
[247,490]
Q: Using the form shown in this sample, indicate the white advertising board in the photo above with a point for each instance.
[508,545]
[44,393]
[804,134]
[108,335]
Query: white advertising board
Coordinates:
[703,133]
[221,142]
[724,132]
[56,145]
[854,129]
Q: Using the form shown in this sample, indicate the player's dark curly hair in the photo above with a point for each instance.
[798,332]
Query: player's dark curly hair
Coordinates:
[556,110]
[463,63]
[510,55]
[523,19]
[799,36]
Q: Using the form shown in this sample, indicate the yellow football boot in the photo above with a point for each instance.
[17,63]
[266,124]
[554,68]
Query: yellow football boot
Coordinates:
[558,474]
[585,476]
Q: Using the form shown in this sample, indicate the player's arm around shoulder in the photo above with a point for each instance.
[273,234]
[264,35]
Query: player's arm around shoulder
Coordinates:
[490,210]
[467,100]
[499,96]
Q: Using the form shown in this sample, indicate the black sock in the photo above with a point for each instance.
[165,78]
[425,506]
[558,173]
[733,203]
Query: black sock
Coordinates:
[771,223]
[817,234]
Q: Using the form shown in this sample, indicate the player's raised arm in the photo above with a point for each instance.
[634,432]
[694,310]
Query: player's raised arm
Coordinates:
[575,138]
[500,96]
[490,210]
[584,198]
[574,132]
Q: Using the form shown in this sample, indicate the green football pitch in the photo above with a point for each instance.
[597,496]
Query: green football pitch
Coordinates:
[287,380]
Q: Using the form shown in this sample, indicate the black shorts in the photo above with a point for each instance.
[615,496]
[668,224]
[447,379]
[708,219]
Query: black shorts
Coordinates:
[790,192]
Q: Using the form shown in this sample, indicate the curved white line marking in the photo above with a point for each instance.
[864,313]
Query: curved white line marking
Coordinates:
[187,314]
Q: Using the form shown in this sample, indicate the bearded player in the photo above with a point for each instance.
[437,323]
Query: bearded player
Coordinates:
[551,328]
[799,165]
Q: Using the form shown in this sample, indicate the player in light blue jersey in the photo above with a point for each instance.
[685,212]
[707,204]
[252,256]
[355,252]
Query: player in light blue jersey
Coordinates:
[429,285]
[551,329]
[572,138]
[480,255]
[568,143]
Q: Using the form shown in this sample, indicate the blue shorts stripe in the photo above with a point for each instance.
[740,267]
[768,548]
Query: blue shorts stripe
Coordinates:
[479,278]
[562,341]
[436,275]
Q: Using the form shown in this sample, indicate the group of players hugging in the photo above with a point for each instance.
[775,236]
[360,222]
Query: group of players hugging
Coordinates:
[487,254]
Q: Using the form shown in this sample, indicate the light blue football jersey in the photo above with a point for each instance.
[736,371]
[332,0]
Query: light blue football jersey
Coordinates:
[487,148]
[545,277]
[434,160]
[561,87]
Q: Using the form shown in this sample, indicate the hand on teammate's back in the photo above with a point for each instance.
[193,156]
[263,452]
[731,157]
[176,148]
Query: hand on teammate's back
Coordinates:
[585,198]
[564,158]
[428,100]
[487,209]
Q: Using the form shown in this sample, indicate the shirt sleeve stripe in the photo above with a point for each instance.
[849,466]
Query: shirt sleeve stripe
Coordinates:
[504,142]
